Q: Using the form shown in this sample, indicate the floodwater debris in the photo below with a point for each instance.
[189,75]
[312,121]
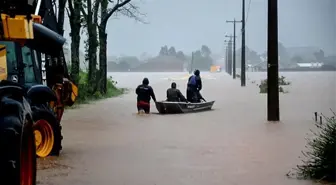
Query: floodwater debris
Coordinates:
[50,162]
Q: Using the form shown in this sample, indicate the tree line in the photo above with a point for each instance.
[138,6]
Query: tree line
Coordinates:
[91,17]
[289,57]
[175,60]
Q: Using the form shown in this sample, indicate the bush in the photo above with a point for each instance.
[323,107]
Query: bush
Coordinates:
[263,87]
[282,81]
[319,162]
[84,94]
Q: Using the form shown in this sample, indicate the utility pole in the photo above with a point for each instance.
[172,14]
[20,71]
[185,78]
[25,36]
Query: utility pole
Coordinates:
[191,63]
[234,47]
[226,57]
[273,112]
[232,57]
[226,60]
[242,73]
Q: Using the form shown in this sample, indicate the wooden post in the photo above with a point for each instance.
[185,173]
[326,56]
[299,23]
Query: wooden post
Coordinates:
[243,63]
[273,112]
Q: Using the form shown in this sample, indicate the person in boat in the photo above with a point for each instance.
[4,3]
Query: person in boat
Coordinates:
[194,87]
[174,94]
[145,93]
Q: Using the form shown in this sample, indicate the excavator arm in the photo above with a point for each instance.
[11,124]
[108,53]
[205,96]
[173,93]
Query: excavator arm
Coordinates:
[57,74]
[18,23]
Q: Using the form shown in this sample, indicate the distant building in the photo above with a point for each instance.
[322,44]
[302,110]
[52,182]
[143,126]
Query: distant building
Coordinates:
[310,65]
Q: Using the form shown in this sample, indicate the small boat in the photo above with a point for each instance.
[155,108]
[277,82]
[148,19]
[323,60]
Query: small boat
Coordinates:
[165,107]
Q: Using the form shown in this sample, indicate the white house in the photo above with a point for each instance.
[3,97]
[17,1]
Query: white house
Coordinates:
[310,65]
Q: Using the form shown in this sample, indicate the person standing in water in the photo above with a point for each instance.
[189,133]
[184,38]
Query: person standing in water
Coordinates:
[194,86]
[144,94]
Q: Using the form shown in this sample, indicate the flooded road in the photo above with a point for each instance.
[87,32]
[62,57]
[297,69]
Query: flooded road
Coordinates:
[106,143]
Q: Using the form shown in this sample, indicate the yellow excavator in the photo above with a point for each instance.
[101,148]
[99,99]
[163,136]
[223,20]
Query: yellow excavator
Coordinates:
[34,88]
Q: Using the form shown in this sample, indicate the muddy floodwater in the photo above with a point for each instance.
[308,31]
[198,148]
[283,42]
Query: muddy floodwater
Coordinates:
[106,143]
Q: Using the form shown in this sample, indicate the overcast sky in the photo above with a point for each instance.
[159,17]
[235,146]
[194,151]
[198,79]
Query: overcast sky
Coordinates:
[187,24]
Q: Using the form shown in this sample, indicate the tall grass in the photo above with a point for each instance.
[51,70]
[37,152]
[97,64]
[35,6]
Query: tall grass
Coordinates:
[320,155]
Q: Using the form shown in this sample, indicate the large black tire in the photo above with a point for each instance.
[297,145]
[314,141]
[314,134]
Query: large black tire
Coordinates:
[44,113]
[17,144]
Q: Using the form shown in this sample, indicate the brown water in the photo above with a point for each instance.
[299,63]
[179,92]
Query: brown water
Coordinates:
[106,143]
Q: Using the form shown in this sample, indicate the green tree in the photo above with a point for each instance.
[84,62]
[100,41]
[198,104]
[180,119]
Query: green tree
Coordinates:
[284,57]
[118,67]
[205,51]
[60,16]
[164,51]
[125,8]
[297,59]
[252,57]
[132,61]
[74,15]
[319,56]
[201,60]
[90,16]
[180,55]
[172,51]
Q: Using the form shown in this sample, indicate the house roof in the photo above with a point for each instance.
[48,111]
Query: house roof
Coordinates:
[312,65]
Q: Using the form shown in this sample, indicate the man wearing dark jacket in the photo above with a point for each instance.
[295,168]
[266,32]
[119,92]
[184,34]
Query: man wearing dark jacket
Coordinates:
[144,92]
[194,86]
[175,95]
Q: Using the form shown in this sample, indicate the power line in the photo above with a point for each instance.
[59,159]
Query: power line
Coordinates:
[248,11]
[242,37]
[246,19]
[234,47]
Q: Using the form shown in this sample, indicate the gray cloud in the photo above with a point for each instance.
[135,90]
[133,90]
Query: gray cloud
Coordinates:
[188,24]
